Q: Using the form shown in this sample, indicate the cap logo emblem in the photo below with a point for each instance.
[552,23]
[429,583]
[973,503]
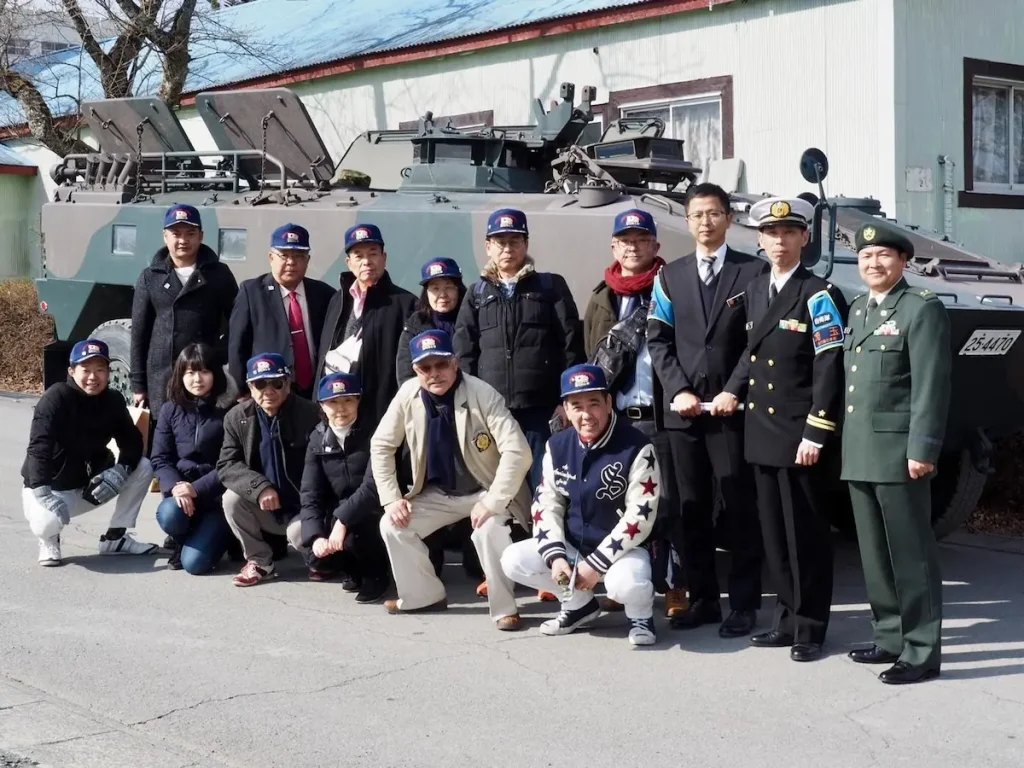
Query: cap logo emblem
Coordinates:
[180,214]
[505,221]
[428,343]
[869,233]
[361,234]
[292,237]
[338,386]
[581,379]
[632,220]
[780,209]
[262,366]
[91,349]
[435,269]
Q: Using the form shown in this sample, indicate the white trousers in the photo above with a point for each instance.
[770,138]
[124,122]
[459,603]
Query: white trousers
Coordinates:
[127,504]
[628,581]
[418,585]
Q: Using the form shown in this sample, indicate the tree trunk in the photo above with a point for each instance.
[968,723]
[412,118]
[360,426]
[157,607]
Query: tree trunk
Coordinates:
[42,125]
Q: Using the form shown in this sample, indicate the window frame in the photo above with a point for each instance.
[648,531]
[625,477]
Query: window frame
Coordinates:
[984,194]
[22,44]
[697,98]
[221,231]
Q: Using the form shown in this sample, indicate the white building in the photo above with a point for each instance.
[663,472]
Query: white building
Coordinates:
[919,103]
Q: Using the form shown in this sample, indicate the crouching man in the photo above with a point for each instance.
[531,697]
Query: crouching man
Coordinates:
[469,459]
[261,464]
[68,468]
[595,506]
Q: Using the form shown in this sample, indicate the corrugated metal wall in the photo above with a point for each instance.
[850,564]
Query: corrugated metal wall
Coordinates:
[17,231]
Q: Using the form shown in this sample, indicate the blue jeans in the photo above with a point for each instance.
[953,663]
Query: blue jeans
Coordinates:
[203,537]
[534,423]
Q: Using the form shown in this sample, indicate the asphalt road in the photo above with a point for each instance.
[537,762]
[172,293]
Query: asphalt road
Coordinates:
[118,662]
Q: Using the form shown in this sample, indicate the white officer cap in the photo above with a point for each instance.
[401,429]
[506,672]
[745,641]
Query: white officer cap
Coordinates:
[774,210]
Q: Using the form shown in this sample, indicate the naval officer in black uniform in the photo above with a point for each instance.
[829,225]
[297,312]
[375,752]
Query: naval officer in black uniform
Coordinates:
[792,376]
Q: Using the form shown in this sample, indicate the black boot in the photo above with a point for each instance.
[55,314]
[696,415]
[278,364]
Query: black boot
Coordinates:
[174,561]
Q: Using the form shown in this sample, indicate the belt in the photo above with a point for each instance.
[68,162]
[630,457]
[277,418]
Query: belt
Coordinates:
[639,412]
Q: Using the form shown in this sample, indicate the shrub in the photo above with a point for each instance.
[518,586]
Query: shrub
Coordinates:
[25,331]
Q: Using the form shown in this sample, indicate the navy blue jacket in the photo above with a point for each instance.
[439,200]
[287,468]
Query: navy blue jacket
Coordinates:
[186,445]
[601,499]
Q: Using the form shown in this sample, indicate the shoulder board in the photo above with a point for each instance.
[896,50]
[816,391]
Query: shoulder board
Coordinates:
[925,293]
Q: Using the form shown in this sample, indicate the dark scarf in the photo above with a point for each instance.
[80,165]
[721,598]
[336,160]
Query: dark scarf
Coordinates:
[627,286]
[442,440]
[445,321]
[270,457]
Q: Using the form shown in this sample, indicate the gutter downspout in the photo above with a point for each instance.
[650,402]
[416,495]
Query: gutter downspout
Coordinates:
[947,195]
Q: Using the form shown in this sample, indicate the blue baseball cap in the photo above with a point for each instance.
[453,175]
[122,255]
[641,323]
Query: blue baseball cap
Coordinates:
[432,343]
[84,350]
[182,214]
[440,267]
[339,385]
[268,365]
[290,237]
[507,220]
[583,378]
[363,233]
[634,218]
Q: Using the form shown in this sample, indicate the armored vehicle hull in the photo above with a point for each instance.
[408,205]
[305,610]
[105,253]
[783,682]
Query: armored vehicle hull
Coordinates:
[99,236]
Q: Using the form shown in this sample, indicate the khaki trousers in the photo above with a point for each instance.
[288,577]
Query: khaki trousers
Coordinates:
[417,584]
[248,522]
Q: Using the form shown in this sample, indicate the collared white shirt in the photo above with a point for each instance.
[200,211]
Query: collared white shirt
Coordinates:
[878,297]
[300,293]
[716,265]
[779,281]
[359,299]
[642,392]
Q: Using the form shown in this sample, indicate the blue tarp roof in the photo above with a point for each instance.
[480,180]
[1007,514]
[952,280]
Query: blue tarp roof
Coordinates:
[10,157]
[293,34]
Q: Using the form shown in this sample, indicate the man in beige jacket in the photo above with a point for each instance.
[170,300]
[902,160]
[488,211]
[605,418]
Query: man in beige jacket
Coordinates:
[469,459]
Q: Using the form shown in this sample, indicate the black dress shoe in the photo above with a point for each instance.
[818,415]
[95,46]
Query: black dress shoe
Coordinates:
[350,583]
[372,590]
[738,624]
[700,612]
[902,673]
[805,652]
[873,655]
[772,639]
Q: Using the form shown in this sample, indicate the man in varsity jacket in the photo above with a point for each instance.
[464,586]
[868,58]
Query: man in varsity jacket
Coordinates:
[594,509]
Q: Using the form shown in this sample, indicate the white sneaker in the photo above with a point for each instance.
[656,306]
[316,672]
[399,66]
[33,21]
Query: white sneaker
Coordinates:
[49,552]
[641,632]
[126,545]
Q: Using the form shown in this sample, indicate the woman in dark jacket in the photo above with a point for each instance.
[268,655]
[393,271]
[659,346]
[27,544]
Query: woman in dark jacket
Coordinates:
[437,307]
[189,433]
[340,517]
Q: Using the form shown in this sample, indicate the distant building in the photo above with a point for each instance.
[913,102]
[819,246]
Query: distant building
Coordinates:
[39,32]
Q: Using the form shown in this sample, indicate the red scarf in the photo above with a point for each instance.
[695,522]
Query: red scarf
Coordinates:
[627,286]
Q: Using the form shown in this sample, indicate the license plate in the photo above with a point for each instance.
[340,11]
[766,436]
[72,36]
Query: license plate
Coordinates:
[987,343]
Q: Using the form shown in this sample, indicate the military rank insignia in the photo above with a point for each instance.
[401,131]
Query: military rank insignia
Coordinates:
[792,325]
[482,441]
[826,322]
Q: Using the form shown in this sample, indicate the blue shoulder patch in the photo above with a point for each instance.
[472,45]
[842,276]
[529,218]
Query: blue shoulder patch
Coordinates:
[826,322]
[661,306]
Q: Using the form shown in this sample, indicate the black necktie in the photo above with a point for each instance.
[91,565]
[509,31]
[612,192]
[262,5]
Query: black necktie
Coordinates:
[772,293]
[872,306]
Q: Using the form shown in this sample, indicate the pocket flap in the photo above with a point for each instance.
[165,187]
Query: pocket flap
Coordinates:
[891,422]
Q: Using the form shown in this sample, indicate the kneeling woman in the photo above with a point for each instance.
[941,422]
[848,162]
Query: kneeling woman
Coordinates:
[340,518]
[189,433]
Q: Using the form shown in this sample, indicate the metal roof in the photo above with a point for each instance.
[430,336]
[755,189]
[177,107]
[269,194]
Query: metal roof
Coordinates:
[10,157]
[296,34]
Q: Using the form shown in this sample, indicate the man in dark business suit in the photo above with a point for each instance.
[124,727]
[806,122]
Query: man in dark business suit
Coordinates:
[696,335]
[282,311]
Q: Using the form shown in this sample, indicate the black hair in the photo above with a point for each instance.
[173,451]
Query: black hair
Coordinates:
[423,303]
[196,357]
[707,190]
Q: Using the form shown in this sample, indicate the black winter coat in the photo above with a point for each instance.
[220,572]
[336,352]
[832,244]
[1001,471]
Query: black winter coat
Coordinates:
[167,317]
[416,324]
[186,446]
[337,483]
[387,306]
[67,443]
[521,345]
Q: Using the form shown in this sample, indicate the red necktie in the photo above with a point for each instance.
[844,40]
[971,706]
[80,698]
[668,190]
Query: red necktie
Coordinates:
[300,347]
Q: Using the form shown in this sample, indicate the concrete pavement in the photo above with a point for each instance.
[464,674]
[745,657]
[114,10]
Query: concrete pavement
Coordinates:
[118,662]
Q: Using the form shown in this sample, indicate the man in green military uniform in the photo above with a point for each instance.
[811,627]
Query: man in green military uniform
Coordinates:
[897,375]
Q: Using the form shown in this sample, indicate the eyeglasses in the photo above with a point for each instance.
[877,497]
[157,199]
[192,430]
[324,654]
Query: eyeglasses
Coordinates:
[712,216]
[291,255]
[428,368]
[262,384]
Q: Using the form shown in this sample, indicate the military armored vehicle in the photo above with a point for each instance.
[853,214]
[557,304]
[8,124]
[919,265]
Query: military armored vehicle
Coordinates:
[431,189]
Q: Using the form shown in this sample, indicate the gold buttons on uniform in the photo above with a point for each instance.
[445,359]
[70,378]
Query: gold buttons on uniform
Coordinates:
[753,358]
[771,362]
[851,387]
[770,409]
[751,382]
[771,386]
[849,409]
[882,347]
[858,313]
[853,368]
[858,350]
[750,406]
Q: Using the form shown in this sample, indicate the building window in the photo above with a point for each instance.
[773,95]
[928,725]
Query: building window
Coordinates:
[123,240]
[232,244]
[467,120]
[993,135]
[19,47]
[53,47]
[700,112]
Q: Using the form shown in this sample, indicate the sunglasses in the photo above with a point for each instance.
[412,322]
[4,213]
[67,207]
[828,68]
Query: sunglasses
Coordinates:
[262,384]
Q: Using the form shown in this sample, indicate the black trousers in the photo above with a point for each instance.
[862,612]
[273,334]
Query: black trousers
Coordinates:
[797,548]
[710,452]
[364,555]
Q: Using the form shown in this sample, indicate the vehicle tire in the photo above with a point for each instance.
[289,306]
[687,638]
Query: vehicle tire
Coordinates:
[117,335]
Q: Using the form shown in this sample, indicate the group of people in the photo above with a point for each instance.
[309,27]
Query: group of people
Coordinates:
[376,428]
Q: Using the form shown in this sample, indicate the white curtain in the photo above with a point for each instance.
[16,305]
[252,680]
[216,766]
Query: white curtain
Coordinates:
[991,134]
[697,123]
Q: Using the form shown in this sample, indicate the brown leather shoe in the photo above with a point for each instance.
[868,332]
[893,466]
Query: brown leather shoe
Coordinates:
[546,597]
[610,606]
[676,602]
[510,623]
[391,606]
